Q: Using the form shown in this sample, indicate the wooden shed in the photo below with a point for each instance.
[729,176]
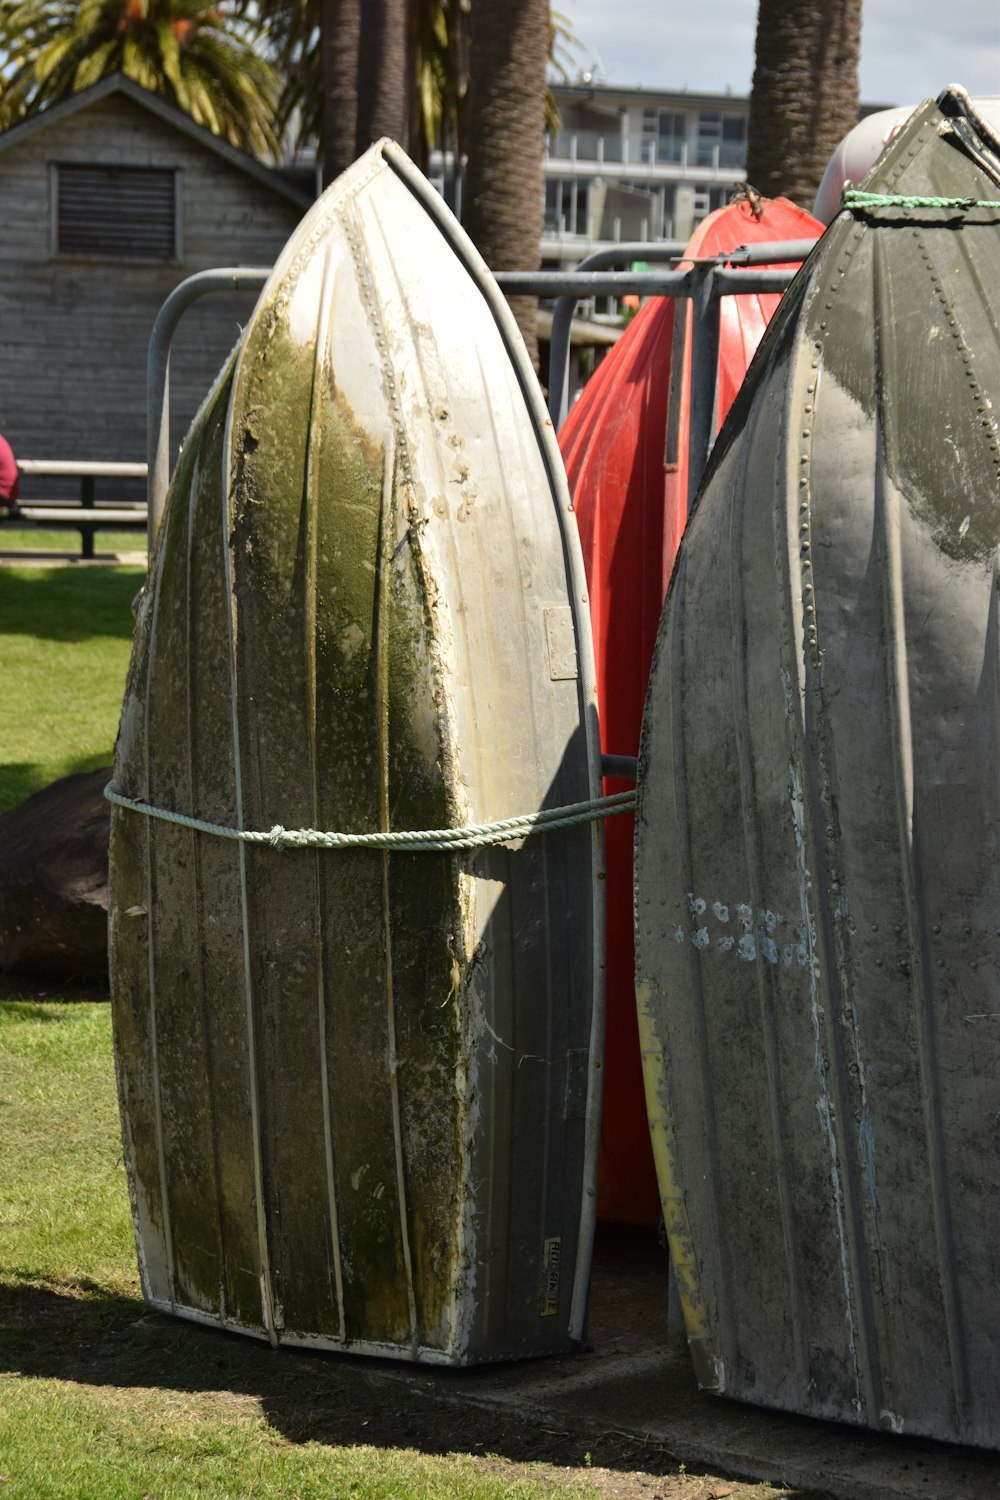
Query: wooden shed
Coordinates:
[108,200]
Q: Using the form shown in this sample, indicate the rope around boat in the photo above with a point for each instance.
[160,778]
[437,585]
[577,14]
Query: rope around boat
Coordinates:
[472,836]
[852,198]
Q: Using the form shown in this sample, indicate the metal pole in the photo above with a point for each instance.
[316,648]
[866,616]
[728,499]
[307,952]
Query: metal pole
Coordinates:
[584,283]
[562,316]
[770,253]
[704,369]
[622,767]
[567,287]
[224,279]
[588,278]
[738,282]
[87,501]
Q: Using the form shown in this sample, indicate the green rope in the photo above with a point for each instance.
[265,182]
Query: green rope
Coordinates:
[852,198]
[473,836]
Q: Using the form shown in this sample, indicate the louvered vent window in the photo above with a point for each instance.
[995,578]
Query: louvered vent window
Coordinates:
[117,213]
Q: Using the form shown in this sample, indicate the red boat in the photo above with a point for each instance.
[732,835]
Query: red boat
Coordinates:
[630,494]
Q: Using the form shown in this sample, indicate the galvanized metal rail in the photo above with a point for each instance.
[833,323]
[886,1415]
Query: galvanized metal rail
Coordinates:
[223,279]
[703,283]
[562,317]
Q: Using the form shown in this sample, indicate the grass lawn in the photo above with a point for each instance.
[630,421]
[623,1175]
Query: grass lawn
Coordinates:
[65,539]
[65,636]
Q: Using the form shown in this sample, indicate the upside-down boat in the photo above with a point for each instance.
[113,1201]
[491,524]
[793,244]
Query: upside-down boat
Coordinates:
[629,479]
[817,881]
[357,1084]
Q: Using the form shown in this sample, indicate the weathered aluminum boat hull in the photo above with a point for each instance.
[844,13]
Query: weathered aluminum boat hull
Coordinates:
[355,1084]
[631,501]
[817,881]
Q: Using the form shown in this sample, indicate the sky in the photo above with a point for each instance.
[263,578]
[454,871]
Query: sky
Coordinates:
[910,49]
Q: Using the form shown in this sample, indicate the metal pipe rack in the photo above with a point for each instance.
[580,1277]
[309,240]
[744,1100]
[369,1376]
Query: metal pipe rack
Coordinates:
[703,282]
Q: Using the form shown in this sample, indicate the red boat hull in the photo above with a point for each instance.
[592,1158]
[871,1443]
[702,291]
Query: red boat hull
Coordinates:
[631,503]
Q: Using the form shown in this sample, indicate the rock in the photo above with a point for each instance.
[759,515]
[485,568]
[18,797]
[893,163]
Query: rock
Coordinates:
[54,881]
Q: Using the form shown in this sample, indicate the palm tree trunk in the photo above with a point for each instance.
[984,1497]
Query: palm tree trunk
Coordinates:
[383,76]
[415,143]
[340,27]
[805,92]
[502,199]
[366,72]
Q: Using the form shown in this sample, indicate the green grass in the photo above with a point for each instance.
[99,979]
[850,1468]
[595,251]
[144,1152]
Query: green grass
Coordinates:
[182,1448]
[65,636]
[97,1397]
[63,1213]
[64,539]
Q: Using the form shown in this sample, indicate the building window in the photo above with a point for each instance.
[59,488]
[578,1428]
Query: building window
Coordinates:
[667,197]
[567,205]
[707,199]
[734,141]
[709,137]
[722,140]
[116,213]
[663,136]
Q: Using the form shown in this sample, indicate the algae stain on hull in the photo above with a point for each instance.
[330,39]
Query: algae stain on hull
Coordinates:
[329,563]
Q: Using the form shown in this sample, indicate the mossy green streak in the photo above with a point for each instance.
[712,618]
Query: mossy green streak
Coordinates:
[338,723]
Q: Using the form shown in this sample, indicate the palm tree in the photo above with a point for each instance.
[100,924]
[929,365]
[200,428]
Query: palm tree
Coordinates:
[335,111]
[805,92]
[428,37]
[385,73]
[502,196]
[188,51]
[440,45]
[289,33]
[367,66]
[436,64]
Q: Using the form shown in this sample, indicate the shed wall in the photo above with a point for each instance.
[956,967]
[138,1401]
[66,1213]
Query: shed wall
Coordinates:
[74,331]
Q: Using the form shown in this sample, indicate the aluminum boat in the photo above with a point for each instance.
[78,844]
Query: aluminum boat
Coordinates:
[360,1085]
[817,881]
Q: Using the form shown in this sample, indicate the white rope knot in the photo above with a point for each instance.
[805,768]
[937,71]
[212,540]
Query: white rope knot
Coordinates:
[277,837]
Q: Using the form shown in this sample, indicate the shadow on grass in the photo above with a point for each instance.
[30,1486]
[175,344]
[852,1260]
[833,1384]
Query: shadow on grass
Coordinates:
[26,990]
[84,1334]
[67,604]
[19,780]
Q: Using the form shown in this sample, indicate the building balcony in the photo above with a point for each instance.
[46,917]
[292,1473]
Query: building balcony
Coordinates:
[557,234]
[590,149]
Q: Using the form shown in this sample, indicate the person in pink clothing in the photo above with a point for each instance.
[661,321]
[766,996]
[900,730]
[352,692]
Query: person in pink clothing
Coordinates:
[9,479]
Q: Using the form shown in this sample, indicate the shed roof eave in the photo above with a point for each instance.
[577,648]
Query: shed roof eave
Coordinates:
[117,83]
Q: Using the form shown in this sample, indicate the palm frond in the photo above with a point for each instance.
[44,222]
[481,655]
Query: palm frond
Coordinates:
[187,50]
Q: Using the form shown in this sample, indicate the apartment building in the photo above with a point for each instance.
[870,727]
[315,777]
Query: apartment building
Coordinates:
[635,164]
